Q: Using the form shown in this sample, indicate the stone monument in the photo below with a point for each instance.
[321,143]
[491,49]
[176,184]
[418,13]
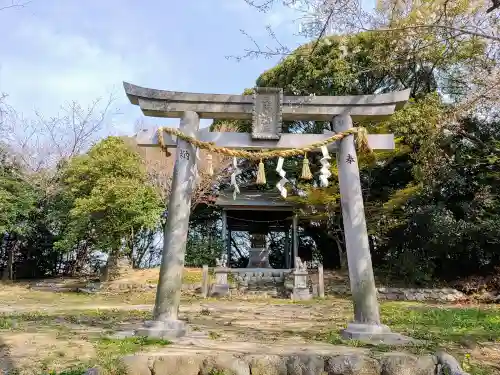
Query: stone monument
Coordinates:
[300,290]
[268,107]
[221,286]
[259,253]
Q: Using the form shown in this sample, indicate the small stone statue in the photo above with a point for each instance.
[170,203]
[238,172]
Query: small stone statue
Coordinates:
[299,265]
[222,262]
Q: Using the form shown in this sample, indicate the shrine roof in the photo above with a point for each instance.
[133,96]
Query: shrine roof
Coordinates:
[254,199]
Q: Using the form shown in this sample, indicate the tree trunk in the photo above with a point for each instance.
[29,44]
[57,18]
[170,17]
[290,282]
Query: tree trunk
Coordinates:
[3,246]
[8,272]
[117,266]
[342,254]
[140,251]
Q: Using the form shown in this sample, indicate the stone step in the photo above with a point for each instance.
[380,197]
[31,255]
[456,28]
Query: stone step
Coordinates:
[196,356]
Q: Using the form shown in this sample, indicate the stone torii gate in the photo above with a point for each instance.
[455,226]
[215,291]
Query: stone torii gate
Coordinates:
[267,107]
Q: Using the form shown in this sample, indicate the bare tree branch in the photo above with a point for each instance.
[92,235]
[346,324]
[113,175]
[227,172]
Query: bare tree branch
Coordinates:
[323,31]
[266,52]
[160,168]
[437,26]
[39,145]
[324,17]
[14,4]
[74,130]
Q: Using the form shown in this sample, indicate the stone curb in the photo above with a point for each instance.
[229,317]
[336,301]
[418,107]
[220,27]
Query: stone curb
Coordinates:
[208,362]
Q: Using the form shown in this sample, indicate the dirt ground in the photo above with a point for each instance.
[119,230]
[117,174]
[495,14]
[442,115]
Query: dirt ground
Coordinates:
[42,331]
[59,335]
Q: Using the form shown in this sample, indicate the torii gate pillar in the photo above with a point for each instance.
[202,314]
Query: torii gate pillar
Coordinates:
[166,321]
[364,293]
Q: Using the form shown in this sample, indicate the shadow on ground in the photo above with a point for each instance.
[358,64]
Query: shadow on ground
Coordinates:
[6,363]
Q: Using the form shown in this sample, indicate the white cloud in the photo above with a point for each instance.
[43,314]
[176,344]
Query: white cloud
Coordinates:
[46,68]
[51,68]
[55,52]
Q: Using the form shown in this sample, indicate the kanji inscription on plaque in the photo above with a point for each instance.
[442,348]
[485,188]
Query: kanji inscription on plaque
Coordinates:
[267,113]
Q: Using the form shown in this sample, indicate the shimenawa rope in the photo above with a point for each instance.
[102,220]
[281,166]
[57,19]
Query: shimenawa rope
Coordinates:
[361,143]
[360,132]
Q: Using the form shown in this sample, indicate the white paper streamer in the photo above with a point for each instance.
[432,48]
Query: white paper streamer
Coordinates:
[197,156]
[325,168]
[235,173]
[281,184]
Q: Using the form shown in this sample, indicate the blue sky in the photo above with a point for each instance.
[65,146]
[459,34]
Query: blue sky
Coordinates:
[55,51]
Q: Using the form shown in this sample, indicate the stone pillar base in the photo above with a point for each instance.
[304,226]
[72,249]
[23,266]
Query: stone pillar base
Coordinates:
[168,329]
[221,286]
[375,334]
[301,294]
[219,290]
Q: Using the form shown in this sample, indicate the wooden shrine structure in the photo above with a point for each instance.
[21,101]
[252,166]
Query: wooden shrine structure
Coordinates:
[259,213]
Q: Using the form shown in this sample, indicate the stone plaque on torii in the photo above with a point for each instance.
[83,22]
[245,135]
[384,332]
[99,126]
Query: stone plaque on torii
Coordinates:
[267,108]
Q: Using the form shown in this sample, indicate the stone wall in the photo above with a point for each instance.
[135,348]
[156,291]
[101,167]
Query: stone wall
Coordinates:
[249,277]
[277,282]
[268,283]
[246,281]
[279,288]
[180,362]
[408,294]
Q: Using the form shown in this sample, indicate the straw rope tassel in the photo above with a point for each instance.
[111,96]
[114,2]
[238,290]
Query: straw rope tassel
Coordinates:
[210,166]
[306,171]
[362,141]
[261,174]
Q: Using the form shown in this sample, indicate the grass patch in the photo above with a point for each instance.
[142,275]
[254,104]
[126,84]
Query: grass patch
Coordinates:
[442,326]
[193,276]
[439,327]
[109,351]
[128,345]
[213,335]
[457,330]
[19,294]
[12,321]
[105,319]
[73,371]
[70,342]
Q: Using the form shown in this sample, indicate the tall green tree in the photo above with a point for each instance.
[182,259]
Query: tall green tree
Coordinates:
[18,200]
[111,198]
[450,227]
